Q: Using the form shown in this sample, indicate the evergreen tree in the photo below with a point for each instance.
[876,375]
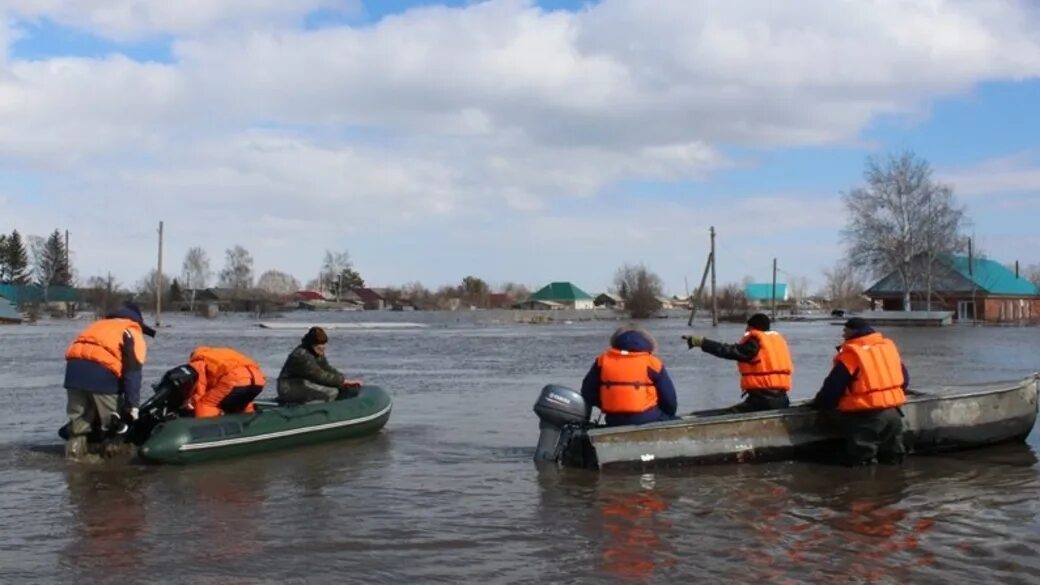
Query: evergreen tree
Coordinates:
[15,259]
[3,259]
[56,262]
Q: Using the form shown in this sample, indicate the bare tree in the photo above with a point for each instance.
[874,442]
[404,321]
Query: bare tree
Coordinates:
[1032,273]
[338,274]
[843,288]
[639,288]
[516,291]
[899,215]
[238,269]
[278,283]
[196,272]
[103,293]
[149,283]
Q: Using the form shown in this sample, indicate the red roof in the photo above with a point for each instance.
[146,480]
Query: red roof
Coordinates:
[308,295]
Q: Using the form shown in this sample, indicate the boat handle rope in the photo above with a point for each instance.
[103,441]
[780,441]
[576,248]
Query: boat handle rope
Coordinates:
[286,416]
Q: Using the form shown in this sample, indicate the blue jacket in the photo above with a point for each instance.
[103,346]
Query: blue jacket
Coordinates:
[839,378]
[666,400]
[91,376]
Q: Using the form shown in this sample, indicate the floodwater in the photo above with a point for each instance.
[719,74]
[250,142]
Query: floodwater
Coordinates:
[447,491]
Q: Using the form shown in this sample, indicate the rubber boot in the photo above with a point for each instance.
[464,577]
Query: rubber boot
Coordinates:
[76,447]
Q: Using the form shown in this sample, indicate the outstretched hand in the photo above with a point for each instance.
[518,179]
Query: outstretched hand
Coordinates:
[352,383]
[693,341]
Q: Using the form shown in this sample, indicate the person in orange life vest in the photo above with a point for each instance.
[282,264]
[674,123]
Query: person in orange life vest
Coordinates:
[103,374]
[628,383]
[227,382]
[866,387]
[763,361]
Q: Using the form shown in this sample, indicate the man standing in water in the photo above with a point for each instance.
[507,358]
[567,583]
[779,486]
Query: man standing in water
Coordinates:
[867,386]
[763,361]
[102,365]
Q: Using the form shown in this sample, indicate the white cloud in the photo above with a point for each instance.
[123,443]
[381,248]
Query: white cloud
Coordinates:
[1019,174]
[136,19]
[442,120]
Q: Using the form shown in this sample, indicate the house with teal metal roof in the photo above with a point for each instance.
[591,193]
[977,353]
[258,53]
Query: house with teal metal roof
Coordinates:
[762,292]
[974,289]
[565,294]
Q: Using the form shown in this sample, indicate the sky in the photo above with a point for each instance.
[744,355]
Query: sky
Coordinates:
[511,140]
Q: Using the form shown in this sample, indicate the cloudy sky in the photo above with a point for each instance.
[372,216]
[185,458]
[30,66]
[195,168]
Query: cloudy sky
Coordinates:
[511,140]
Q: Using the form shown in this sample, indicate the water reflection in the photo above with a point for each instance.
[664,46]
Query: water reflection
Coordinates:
[636,530]
[111,516]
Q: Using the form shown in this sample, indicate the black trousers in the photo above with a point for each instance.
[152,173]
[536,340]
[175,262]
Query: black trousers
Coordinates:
[873,435]
[762,400]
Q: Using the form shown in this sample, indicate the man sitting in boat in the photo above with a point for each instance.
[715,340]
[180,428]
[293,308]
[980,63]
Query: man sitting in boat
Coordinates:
[763,361]
[227,382]
[628,383]
[867,385]
[307,375]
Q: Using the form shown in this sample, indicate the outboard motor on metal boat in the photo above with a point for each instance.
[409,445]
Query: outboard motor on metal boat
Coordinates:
[561,412]
[171,392]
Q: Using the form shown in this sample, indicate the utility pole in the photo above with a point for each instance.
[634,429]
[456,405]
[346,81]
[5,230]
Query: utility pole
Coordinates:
[709,266]
[773,293]
[714,303]
[158,282]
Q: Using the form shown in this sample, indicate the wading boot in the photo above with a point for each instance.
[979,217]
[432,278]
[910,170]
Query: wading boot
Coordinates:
[76,447]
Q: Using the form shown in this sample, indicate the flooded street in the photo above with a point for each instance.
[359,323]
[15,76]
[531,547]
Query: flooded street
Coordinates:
[447,492]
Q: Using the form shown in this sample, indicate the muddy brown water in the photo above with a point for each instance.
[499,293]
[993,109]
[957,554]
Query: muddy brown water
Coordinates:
[447,491]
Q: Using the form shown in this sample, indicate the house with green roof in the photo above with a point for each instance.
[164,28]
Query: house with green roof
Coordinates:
[564,293]
[974,289]
[762,293]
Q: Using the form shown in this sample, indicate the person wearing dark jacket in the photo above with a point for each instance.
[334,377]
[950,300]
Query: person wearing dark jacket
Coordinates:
[763,362]
[866,386]
[628,383]
[103,374]
[307,375]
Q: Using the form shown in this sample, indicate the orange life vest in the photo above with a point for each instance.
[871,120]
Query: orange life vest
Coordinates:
[221,370]
[772,367]
[625,384]
[102,342]
[877,374]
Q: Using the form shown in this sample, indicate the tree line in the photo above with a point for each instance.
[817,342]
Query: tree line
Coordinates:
[900,220]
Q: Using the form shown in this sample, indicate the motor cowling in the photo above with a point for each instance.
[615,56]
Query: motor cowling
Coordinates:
[171,392]
[560,410]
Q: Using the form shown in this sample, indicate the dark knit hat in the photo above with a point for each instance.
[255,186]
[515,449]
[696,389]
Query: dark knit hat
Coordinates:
[315,336]
[759,321]
[857,324]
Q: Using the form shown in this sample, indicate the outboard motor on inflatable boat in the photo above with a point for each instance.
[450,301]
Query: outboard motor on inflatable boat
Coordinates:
[561,411]
[171,392]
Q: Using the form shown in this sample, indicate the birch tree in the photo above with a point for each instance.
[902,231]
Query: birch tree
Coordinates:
[196,272]
[900,221]
[238,269]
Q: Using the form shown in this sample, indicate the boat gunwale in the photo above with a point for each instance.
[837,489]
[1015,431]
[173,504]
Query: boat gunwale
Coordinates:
[229,442]
[801,408]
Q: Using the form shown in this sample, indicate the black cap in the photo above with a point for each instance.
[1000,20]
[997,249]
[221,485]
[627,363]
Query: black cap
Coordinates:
[759,321]
[857,324]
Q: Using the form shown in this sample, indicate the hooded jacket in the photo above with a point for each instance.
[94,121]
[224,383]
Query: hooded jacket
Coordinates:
[633,342]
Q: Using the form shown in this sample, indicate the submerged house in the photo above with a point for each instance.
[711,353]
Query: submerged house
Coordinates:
[973,289]
[565,294]
[609,300]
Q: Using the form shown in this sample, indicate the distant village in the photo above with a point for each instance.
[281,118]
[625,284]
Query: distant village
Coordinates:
[980,290]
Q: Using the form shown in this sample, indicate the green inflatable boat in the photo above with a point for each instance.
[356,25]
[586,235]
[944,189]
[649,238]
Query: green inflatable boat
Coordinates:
[164,435]
[271,427]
